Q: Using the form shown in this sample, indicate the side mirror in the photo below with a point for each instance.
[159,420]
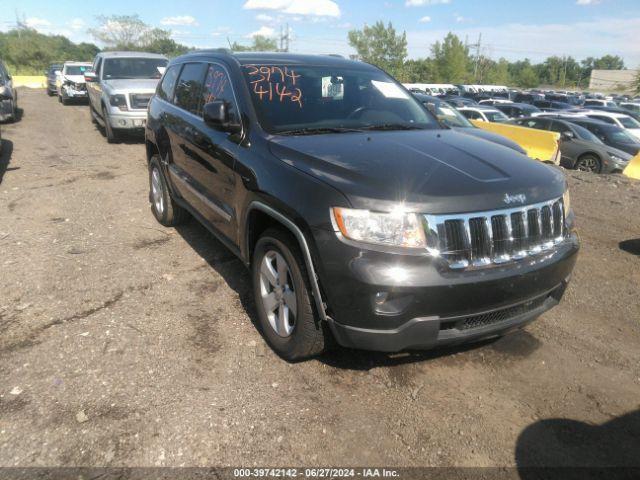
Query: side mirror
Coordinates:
[216,115]
[90,76]
[568,136]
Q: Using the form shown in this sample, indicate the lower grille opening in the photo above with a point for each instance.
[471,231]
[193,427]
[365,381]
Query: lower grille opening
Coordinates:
[497,316]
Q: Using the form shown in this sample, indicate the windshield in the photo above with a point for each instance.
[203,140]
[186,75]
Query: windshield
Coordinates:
[310,99]
[76,69]
[585,134]
[451,117]
[618,135]
[628,122]
[123,68]
[495,116]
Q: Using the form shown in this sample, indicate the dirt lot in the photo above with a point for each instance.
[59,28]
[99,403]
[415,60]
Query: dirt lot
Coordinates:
[123,343]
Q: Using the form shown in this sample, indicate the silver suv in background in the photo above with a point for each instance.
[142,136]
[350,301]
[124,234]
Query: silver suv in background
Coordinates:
[120,85]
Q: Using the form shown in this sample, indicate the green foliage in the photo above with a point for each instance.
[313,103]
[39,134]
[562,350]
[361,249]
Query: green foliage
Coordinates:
[129,32]
[260,44]
[452,62]
[451,58]
[27,52]
[381,46]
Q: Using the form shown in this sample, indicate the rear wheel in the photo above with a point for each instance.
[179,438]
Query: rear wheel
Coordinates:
[163,207]
[283,298]
[589,163]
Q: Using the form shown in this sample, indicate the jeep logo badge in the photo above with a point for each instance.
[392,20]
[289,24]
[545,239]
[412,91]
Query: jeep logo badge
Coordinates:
[519,198]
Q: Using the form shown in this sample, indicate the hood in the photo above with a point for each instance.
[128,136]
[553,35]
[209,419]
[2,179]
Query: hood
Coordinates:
[75,78]
[433,171]
[138,85]
[492,137]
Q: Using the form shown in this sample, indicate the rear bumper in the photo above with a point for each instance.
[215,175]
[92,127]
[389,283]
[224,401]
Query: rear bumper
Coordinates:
[430,332]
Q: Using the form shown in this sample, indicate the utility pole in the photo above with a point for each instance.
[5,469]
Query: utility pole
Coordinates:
[478,47]
[284,38]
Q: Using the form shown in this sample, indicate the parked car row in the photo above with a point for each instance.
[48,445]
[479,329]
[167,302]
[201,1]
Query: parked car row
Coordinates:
[118,86]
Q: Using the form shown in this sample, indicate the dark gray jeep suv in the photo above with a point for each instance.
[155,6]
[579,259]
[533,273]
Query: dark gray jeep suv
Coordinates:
[360,216]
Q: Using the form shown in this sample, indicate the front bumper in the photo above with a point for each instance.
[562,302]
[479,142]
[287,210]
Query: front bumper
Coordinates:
[427,304]
[129,121]
[70,92]
[430,332]
[6,109]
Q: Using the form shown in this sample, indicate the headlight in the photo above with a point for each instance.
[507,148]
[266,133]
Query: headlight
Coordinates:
[566,202]
[617,159]
[119,101]
[396,229]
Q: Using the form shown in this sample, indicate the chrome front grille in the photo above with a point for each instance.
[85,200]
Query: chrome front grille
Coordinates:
[139,101]
[495,237]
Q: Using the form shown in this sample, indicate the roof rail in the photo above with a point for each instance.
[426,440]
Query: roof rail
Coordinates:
[337,55]
[214,50]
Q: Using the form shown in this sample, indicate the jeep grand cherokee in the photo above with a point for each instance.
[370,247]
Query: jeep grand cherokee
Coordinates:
[359,215]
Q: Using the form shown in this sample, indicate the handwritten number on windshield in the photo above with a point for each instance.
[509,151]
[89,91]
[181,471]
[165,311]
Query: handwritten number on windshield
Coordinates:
[275,83]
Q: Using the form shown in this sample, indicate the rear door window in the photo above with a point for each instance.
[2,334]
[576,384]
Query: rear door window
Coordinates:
[188,91]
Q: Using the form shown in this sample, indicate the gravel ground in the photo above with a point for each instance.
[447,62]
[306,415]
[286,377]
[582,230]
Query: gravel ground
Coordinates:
[123,343]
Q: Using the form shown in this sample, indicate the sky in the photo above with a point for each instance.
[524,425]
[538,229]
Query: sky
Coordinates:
[513,29]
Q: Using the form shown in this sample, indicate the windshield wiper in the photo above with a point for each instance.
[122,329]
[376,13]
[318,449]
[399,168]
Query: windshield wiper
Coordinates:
[392,126]
[318,131]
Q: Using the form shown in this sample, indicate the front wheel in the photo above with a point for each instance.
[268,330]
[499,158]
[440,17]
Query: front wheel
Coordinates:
[110,133]
[283,298]
[589,163]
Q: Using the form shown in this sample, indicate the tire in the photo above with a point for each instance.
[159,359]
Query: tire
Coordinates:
[92,114]
[65,100]
[109,132]
[589,163]
[163,207]
[299,334]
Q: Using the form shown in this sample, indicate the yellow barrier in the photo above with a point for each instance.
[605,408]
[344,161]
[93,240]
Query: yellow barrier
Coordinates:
[633,168]
[539,144]
[29,81]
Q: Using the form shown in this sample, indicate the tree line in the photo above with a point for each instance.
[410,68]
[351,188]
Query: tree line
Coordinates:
[25,51]
[451,61]
[28,52]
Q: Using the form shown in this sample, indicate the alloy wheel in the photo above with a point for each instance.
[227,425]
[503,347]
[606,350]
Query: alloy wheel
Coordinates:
[588,164]
[157,193]
[277,292]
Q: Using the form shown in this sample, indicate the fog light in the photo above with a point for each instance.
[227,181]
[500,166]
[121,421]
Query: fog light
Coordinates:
[122,122]
[380,297]
[386,303]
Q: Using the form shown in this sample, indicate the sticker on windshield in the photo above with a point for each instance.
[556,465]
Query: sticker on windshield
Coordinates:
[447,111]
[333,88]
[389,90]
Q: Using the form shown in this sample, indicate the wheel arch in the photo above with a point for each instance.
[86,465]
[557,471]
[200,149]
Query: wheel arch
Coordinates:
[260,217]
